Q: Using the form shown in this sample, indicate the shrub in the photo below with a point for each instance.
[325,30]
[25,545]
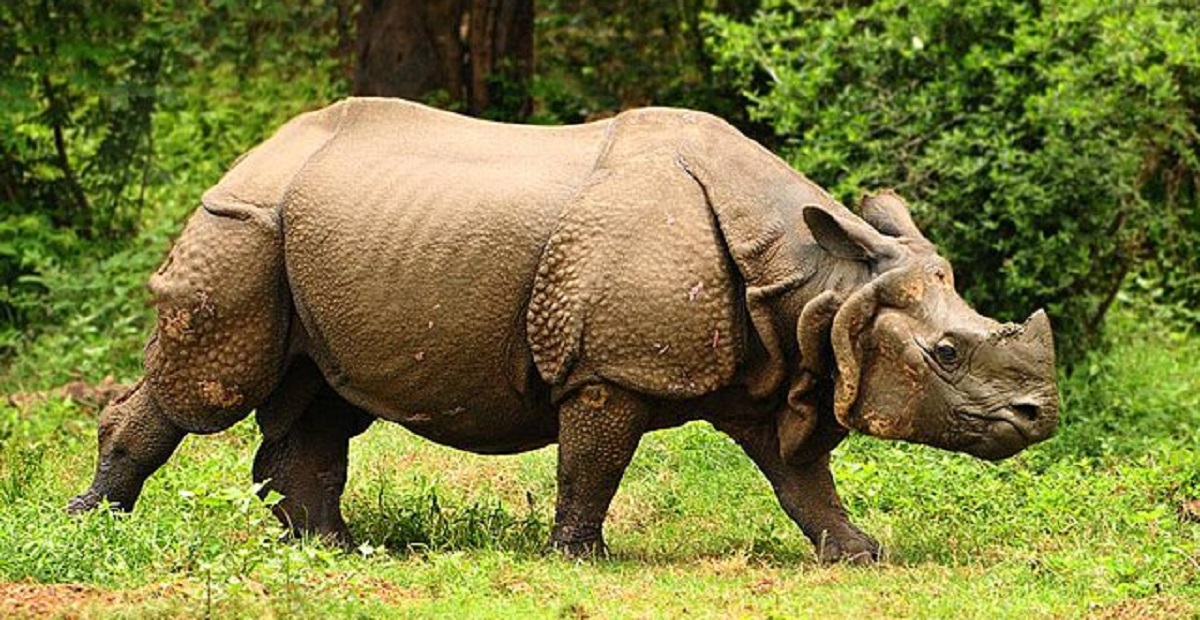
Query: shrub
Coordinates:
[1050,148]
[598,58]
[78,87]
[107,107]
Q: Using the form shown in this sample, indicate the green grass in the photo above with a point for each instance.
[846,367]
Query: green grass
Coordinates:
[1088,523]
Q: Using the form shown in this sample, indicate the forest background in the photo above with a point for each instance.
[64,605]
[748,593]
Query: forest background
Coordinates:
[1050,148]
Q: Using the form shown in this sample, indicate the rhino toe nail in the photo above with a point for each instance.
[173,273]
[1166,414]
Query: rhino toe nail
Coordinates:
[82,503]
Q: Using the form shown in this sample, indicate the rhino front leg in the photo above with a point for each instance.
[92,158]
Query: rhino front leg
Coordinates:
[304,456]
[808,495]
[135,439]
[599,430]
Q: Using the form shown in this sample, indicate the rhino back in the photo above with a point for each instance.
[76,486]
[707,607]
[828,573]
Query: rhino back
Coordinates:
[411,242]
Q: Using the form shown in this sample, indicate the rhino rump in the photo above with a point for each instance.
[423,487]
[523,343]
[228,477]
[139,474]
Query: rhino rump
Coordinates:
[219,346]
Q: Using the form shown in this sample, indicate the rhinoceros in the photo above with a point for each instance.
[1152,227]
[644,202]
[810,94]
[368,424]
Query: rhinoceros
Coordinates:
[498,288]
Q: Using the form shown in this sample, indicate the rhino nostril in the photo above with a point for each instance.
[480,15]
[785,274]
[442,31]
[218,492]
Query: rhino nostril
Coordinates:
[1027,411]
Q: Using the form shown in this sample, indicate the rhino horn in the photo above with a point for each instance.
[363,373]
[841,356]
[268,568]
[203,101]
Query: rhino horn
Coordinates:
[1038,324]
[1036,329]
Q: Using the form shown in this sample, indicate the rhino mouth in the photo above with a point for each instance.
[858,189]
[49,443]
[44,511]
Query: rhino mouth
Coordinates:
[1002,433]
[1003,415]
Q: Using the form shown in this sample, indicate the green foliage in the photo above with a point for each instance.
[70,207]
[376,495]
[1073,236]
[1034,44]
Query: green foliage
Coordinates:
[79,85]
[79,88]
[598,58]
[1143,394]
[30,245]
[118,114]
[421,520]
[1050,148]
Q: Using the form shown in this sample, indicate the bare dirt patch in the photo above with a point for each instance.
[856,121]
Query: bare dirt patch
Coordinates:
[67,600]
[72,600]
[1159,606]
[24,600]
[89,396]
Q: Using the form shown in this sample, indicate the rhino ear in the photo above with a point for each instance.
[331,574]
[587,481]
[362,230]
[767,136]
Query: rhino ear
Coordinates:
[889,214]
[845,237]
[897,288]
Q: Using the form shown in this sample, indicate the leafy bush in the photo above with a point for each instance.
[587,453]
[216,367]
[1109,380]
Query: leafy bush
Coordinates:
[79,84]
[1050,148]
[110,120]
[597,58]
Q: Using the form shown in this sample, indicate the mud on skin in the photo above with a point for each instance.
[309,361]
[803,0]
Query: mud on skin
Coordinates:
[498,288]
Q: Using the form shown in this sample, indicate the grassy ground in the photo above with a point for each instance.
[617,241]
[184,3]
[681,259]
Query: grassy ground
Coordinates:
[1099,521]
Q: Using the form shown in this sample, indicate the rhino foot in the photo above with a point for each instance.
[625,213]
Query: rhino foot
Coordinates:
[851,548]
[91,499]
[580,549]
[84,502]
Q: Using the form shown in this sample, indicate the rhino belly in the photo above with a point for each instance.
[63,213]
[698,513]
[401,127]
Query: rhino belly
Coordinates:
[417,315]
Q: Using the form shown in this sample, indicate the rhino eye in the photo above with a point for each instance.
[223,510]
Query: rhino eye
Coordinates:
[946,353]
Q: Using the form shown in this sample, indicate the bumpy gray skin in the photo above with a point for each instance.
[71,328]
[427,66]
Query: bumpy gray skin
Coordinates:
[498,288]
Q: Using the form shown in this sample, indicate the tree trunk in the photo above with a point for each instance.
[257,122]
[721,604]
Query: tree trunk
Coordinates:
[477,54]
[409,48]
[501,54]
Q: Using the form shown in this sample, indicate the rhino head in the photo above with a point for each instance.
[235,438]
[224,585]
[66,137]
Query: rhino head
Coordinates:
[915,362]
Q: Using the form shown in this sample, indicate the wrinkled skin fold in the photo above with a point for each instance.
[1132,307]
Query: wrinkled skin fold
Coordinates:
[498,288]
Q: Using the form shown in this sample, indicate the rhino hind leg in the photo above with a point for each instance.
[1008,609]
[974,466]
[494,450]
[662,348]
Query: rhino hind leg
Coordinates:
[304,455]
[224,312]
[136,438]
[600,427]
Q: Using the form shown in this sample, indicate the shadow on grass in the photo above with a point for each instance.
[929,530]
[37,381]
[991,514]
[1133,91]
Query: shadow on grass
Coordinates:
[423,521]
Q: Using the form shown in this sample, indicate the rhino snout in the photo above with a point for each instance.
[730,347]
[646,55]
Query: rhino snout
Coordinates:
[1039,416]
[1014,427]
[1036,421]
